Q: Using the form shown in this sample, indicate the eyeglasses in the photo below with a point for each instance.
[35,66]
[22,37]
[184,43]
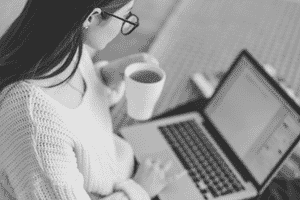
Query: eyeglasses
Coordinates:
[130,23]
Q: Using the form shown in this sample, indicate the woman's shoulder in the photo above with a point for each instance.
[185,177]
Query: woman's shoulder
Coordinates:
[25,107]
[16,95]
[22,99]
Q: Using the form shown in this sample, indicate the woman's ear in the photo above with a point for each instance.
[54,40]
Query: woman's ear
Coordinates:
[93,18]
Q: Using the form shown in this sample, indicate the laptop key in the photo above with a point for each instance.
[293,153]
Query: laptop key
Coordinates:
[212,191]
[209,196]
[225,192]
[202,185]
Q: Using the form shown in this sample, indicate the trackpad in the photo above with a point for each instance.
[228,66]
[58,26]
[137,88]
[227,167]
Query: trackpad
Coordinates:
[151,144]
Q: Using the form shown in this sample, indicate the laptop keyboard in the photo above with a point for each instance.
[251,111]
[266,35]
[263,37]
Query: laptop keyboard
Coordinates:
[210,173]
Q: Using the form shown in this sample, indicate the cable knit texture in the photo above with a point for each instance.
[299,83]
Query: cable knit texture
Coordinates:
[51,152]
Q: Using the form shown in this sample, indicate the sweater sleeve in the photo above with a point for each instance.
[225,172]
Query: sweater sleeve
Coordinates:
[133,190]
[41,160]
[61,178]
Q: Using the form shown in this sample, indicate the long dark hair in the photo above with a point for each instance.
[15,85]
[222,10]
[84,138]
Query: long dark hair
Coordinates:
[45,34]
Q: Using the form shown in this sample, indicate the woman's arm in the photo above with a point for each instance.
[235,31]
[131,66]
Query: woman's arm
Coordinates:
[44,157]
[60,177]
[125,152]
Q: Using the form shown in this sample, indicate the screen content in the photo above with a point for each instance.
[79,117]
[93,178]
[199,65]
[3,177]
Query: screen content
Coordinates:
[253,119]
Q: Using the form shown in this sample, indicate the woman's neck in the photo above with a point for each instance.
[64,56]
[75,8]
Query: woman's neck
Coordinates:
[92,52]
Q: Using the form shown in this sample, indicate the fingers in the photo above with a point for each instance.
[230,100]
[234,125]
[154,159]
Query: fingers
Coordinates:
[162,170]
[167,166]
[180,175]
[177,176]
[157,165]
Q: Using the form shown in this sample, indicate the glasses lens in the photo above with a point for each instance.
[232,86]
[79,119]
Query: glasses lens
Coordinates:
[127,27]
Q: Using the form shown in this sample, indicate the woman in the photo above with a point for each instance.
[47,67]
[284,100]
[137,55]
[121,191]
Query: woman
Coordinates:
[56,133]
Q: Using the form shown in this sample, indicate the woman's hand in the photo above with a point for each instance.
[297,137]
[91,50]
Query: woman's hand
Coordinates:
[113,72]
[154,177]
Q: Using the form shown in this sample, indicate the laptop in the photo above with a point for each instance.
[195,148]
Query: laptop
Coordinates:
[234,146]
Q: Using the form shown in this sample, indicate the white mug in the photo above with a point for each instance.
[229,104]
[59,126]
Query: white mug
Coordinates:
[142,96]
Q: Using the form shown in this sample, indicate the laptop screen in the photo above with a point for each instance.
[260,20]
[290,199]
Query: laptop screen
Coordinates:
[253,118]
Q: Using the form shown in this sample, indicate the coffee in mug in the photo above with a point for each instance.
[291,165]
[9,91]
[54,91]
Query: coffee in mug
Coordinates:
[146,76]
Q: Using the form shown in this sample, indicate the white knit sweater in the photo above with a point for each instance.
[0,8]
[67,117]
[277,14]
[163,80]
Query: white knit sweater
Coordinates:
[51,152]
